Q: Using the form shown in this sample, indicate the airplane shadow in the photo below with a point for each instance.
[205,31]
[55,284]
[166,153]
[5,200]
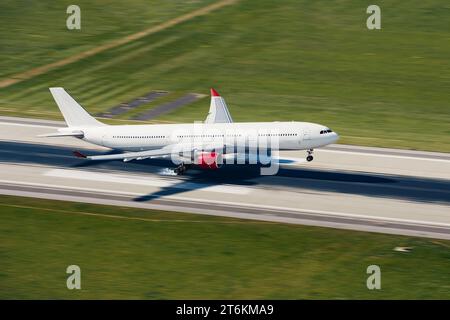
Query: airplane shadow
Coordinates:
[296,179]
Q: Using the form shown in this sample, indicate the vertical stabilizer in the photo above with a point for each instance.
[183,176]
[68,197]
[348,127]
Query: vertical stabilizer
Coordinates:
[73,113]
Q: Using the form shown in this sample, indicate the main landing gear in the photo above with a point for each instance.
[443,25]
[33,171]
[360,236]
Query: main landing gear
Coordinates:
[310,157]
[180,169]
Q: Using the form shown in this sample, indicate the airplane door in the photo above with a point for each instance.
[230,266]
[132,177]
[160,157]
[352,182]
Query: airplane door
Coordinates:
[300,138]
[306,135]
[306,138]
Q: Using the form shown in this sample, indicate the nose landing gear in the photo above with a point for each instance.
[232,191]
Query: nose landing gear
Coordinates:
[310,157]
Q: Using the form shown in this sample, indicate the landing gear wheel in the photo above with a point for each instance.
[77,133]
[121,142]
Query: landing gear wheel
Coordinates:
[181,169]
[310,157]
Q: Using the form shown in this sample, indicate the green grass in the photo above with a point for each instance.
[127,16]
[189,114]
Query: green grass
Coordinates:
[35,34]
[168,255]
[311,61]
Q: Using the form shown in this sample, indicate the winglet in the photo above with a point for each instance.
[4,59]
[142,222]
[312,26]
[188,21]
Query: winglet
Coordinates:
[214,93]
[79,154]
[218,110]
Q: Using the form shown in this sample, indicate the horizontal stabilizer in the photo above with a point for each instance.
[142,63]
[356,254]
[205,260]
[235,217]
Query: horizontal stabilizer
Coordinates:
[78,134]
[79,154]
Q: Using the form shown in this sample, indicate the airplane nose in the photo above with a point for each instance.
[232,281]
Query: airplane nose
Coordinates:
[335,137]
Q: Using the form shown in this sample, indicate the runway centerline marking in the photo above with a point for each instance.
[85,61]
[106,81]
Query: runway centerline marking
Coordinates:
[384,155]
[367,154]
[151,182]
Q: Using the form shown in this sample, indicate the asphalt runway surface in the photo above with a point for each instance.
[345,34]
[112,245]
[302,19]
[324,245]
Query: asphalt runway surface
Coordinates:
[358,188]
[125,107]
[168,106]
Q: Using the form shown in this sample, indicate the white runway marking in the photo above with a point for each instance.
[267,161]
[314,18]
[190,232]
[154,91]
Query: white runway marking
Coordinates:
[28,125]
[149,181]
[383,155]
[244,205]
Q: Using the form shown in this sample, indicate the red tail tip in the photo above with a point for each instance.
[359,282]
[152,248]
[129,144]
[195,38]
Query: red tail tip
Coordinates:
[214,93]
[79,155]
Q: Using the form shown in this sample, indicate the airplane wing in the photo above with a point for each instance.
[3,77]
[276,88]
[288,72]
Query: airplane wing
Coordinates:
[156,153]
[218,110]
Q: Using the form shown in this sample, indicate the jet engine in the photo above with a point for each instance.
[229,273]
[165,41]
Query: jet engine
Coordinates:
[209,160]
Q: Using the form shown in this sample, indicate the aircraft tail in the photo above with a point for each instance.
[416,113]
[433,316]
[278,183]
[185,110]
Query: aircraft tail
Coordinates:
[73,113]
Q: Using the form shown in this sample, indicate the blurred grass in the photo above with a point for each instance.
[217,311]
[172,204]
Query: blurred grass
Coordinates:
[289,60]
[33,33]
[184,256]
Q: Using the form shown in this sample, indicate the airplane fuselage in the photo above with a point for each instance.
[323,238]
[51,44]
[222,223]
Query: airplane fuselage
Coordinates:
[289,135]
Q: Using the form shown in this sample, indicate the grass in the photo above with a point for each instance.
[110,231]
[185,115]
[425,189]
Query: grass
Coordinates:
[35,34]
[142,254]
[302,60]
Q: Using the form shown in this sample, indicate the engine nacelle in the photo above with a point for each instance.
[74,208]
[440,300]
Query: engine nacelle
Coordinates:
[209,160]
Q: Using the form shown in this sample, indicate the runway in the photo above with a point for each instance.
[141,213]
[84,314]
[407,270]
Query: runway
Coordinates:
[358,188]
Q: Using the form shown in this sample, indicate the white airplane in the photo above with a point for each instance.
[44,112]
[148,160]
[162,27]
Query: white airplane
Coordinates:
[207,142]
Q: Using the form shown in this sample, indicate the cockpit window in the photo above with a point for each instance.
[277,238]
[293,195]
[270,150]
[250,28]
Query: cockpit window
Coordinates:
[326,131]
